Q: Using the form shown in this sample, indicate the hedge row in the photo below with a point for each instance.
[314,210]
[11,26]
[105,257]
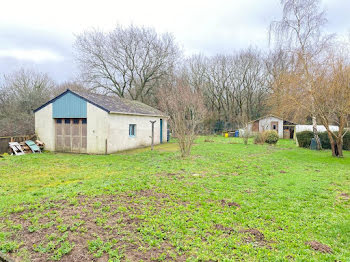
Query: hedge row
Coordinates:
[304,139]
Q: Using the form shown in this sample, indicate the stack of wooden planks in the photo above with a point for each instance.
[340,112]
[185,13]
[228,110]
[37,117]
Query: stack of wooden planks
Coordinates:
[26,148]
[40,144]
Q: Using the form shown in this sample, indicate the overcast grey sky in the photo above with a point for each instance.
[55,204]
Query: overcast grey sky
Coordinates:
[39,33]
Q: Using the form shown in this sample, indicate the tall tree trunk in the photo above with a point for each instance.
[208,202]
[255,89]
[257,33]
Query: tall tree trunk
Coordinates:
[314,129]
[339,139]
[340,144]
[332,142]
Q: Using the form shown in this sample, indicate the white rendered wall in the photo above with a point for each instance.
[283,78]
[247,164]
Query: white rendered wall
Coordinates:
[118,134]
[249,128]
[97,129]
[45,127]
[265,124]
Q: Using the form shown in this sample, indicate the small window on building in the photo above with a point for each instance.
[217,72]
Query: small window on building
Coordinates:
[84,121]
[274,127]
[67,121]
[132,130]
[75,121]
[59,121]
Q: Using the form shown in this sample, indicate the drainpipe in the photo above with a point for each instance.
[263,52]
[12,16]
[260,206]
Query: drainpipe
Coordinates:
[106,147]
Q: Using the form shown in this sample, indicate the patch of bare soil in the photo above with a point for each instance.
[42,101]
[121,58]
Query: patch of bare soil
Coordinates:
[248,191]
[344,196]
[230,204]
[171,174]
[255,236]
[175,176]
[5,258]
[227,230]
[315,245]
[115,219]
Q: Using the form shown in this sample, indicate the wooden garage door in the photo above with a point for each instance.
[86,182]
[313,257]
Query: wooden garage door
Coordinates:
[255,126]
[71,135]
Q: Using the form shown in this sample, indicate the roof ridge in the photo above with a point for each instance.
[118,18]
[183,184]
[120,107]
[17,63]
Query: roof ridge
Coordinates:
[111,103]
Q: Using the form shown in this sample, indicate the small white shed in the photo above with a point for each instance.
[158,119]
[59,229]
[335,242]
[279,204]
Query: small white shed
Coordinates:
[271,122]
[98,124]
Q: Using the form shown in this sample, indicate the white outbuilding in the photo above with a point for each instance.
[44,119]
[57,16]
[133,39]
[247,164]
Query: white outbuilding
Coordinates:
[284,128]
[320,128]
[82,122]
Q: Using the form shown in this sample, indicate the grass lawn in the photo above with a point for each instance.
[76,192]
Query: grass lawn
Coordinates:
[227,202]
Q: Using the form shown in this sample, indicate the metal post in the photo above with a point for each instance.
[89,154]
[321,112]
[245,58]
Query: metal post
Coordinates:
[106,150]
[152,122]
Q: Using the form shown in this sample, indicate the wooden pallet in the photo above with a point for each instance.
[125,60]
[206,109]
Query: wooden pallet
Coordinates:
[16,148]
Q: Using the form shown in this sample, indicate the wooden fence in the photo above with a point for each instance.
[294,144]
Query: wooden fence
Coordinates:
[4,141]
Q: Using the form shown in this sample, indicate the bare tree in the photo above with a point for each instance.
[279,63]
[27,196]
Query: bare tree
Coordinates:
[71,85]
[332,99]
[299,32]
[244,123]
[250,83]
[128,61]
[278,63]
[219,87]
[232,85]
[21,93]
[186,110]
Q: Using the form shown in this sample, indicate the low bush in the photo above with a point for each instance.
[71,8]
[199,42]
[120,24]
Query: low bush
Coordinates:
[259,138]
[271,137]
[304,139]
[326,144]
[346,140]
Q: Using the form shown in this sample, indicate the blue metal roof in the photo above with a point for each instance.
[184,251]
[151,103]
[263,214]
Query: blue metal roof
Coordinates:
[72,99]
[69,106]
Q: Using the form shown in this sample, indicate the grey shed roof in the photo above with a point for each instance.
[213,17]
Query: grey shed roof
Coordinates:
[270,115]
[112,104]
